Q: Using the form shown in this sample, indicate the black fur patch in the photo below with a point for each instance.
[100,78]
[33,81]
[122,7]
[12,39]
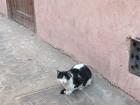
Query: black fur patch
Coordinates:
[63,74]
[81,76]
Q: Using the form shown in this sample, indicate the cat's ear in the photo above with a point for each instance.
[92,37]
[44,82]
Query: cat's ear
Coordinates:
[58,71]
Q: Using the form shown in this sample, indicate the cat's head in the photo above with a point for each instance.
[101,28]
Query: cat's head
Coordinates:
[63,76]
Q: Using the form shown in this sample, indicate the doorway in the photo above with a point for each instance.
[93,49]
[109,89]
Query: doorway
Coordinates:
[22,11]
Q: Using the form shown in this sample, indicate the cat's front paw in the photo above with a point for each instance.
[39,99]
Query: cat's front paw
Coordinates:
[62,91]
[68,92]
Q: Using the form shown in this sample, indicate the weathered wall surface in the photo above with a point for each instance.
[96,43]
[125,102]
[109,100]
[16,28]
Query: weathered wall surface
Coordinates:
[3,7]
[95,32]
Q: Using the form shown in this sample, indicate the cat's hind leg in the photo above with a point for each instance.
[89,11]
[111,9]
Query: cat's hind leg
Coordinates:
[88,82]
[81,87]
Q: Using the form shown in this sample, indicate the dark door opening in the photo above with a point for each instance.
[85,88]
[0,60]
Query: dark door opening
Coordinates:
[22,11]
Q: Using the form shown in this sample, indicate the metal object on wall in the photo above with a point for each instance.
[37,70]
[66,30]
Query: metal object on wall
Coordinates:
[134,61]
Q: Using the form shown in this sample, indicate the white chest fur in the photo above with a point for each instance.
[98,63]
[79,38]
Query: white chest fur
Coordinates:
[69,85]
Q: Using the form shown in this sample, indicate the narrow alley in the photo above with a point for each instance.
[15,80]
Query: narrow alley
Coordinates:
[28,73]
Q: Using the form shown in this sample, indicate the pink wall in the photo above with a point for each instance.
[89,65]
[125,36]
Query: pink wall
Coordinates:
[95,32]
[3,7]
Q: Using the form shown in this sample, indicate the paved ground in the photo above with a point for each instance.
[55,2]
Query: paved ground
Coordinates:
[28,73]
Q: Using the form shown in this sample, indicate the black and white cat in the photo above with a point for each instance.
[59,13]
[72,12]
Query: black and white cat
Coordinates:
[78,77]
